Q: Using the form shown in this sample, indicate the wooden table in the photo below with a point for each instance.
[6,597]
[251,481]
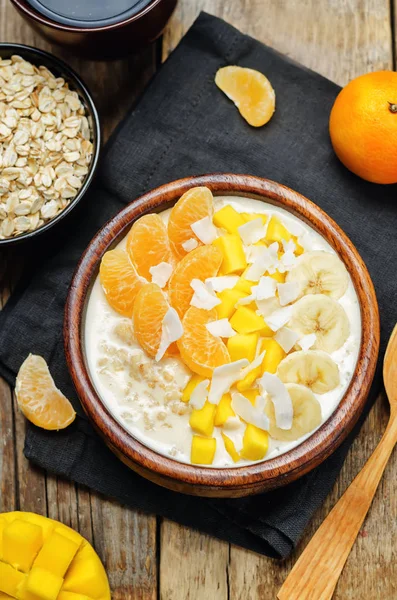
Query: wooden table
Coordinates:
[147,557]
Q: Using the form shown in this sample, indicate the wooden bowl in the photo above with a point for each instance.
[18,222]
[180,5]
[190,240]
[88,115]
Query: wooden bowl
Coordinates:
[258,477]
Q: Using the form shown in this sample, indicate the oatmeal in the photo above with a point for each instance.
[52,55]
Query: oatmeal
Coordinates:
[244,334]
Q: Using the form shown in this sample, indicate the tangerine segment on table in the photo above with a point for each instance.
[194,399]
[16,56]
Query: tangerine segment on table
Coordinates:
[201,263]
[120,281]
[150,308]
[250,91]
[200,350]
[363,126]
[195,204]
[39,399]
[148,244]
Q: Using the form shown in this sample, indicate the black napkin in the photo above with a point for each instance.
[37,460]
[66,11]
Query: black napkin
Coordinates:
[183,126]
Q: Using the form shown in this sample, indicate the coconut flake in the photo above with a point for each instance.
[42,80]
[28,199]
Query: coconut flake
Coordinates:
[268,306]
[288,292]
[280,397]
[205,230]
[171,331]
[279,318]
[287,338]
[199,394]
[266,288]
[190,244]
[221,328]
[251,414]
[255,363]
[223,378]
[263,260]
[161,273]
[252,231]
[203,297]
[225,282]
[234,429]
[307,341]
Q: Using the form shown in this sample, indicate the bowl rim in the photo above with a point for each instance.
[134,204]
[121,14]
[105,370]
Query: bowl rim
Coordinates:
[37,16]
[260,475]
[97,134]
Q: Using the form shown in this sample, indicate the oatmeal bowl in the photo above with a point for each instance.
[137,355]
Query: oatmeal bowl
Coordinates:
[222,334]
[49,141]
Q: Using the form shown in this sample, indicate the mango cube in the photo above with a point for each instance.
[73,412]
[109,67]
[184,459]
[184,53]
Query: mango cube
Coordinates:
[230,448]
[252,216]
[255,443]
[228,300]
[234,260]
[56,554]
[246,383]
[86,575]
[46,525]
[274,355]
[203,450]
[243,285]
[276,231]
[21,543]
[40,584]
[224,410]
[251,394]
[71,596]
[298,248]
[243,345]
[246,320]
[10,579]
[279,277]
[190,386]
[4,596]
[202,420]
[228,218]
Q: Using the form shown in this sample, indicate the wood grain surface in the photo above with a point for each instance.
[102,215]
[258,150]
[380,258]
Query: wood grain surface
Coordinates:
[147,558]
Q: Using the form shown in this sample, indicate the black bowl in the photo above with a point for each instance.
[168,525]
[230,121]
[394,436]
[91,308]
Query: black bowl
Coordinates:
[60,69]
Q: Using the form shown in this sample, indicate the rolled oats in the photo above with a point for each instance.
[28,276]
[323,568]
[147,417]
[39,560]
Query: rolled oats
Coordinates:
[45,147]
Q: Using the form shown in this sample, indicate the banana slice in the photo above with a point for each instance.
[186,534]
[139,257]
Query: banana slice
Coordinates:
[323,316]
[307,414]
[313,369]
[320,273]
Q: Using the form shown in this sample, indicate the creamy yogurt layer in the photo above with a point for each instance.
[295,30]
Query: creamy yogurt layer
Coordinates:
[145,396]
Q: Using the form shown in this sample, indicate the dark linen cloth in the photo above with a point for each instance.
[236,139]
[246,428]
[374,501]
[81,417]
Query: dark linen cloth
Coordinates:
[183,126]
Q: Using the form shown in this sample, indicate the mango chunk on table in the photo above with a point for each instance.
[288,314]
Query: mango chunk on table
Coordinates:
[203,450]
[21,542]
[57,553]
[10,579]
[40,583]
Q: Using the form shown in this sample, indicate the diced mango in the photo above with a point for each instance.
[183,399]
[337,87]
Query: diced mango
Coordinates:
[298,248]
[251,394]
[228,218]
[274,355]
[243,285]
[190,386]
[10,579]
[47,525]
[246,383]
[4,596]
[279,277]
[252,216]
[230,448]
[276,231]
[56,554]
[86,575]
[246,320]
[69,533]
[234,260]
[40,584]
[21,543]
[224,410]
[72,596]
[203,450]
[228,302]
[243,346]
[255,443]
[202,420]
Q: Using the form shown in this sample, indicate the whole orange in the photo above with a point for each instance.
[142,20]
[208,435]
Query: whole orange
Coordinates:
[363,126]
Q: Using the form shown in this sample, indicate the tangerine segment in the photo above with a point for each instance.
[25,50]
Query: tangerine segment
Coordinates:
[250,91]
[149,311]
[39,399]
[195,204]
[200,350]
[200,263]
[119,280]
[148,244]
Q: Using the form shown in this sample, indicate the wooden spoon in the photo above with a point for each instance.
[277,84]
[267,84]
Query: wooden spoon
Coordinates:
[316,573]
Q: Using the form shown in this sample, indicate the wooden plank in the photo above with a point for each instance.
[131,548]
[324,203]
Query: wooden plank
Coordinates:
[340,40]
[192,566]
[8,488]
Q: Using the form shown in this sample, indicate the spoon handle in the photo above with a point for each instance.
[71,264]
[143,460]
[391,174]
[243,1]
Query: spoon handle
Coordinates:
[316,573]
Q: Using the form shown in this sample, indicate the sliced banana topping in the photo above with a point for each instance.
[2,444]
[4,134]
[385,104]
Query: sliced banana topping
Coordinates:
[323,316]
[307,414]
[320,273]
[314,369]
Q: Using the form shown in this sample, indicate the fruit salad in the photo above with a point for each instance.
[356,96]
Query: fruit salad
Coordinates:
[222,331]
